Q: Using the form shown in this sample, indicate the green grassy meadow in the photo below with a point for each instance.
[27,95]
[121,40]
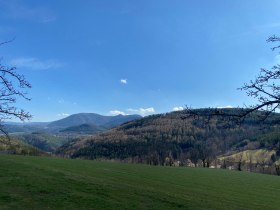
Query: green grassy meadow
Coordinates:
[53,183]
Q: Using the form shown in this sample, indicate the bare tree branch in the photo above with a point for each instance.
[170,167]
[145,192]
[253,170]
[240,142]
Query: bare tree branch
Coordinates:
[6,42]
[12,87]
[265,89]
[274,39]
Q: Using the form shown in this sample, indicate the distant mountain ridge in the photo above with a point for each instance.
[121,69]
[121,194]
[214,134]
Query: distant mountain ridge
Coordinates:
[83,129]
[98,121]
[94,119]
[48,136]
[174,136]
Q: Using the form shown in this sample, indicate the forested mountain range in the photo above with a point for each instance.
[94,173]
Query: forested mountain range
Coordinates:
[84,129]
[165,138]
[100,123]
[49,136]
[43,141]
[15,146]
[92,118]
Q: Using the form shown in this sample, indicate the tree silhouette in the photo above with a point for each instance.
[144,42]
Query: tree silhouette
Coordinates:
[265,88]
[12,87]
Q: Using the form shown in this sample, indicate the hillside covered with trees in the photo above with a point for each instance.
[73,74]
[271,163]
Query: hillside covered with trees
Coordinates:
[15,146]
[177,139]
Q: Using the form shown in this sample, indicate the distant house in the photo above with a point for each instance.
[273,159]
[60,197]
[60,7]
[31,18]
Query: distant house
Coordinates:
[177,163]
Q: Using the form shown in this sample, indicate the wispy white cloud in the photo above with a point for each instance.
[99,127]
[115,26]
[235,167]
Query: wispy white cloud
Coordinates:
[142,111]
[17,10]
[35,64]
[146,111]
[123,81]
[62,115]
[178,108]
[223,107]
[116,112]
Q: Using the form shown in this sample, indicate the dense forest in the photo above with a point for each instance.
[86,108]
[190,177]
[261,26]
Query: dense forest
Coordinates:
[15,146]
[43,141]
[177,139]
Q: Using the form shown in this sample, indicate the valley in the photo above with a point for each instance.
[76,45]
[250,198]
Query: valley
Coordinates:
[169,139]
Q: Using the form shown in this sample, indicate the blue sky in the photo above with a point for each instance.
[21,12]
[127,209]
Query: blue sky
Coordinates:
[129,56]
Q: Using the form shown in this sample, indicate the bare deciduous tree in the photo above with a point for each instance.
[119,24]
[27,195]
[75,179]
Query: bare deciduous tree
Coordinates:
[12,87]
[265,88]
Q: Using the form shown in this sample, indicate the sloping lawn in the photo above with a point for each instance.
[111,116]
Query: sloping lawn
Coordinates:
[54,183]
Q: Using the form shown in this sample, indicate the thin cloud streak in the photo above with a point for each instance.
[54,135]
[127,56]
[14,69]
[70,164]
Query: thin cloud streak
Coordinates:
[142,111]
[62,115]
[35,64]
[225,107]
[116,112]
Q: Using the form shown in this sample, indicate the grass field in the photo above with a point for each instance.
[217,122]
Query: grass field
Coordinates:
[53,183]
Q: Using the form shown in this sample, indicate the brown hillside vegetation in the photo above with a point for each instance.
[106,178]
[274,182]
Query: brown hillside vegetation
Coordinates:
[173,139]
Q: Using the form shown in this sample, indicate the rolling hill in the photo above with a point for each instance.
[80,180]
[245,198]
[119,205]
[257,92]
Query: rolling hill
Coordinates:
[43,141]
[166,139]
[70,121]
[49,136]
[92,118]
[24,127]
[84,129]
[15,146]
[95,120]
